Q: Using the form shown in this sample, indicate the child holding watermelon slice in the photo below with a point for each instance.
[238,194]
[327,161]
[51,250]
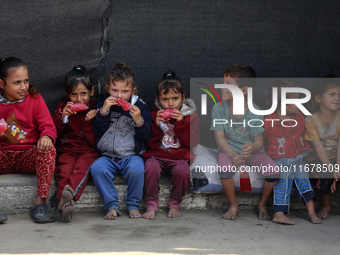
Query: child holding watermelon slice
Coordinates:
[241,144]
[174,132]
[124,127]
[76,152]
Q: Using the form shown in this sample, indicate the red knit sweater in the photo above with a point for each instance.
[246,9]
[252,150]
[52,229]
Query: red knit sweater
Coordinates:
[27,121]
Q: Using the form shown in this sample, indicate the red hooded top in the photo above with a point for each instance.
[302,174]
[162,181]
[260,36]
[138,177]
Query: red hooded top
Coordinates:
[76,135]
[164,144]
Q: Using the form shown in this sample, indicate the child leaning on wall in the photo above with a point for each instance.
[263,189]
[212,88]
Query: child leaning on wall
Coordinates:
[26,145]
[286,145]
[170,146]
[124,126]
[238,143]
[323,132]
[76,151]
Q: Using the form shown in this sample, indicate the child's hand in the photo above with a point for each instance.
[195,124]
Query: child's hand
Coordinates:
[247,151]
[108,103]
[44,144]
[159,117]
[91,114]
[136,114]
[177,115]
[237,159]
[333,186]
[67,110]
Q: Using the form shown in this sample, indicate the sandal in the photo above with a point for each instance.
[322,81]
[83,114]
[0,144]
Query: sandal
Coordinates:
[40,214]
[3,217]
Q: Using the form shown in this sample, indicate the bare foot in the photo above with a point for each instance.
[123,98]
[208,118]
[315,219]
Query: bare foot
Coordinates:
[280,217]
[67,211]
[231,213]
[314,219]
[66,196]
[263,213]
[111,215]
[174,213]
[323,213]
[134,214]
[150,215]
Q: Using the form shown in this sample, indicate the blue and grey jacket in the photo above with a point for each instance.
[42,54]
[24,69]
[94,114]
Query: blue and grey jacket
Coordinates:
[119,136]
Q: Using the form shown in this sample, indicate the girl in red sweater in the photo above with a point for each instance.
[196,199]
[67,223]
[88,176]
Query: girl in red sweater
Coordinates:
[77,142]
[170,145]
[28,132]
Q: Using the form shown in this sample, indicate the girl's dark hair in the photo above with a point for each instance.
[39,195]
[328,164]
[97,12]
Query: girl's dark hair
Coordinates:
[277,84]
[122,72]
[79,74]
[319,88]
[13,62]
[170,81]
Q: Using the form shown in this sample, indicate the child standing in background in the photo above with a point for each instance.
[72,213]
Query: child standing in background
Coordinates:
[77,142]
[26,146]
[323,132]
[123,133]
[286,145]
[240,143]
[170,145]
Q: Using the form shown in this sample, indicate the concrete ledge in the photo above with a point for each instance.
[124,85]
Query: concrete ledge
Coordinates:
[18,194]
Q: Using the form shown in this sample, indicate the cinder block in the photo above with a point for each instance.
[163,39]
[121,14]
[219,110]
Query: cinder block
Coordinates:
[18,194]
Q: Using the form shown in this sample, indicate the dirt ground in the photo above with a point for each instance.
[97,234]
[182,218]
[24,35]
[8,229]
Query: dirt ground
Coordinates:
[196,232]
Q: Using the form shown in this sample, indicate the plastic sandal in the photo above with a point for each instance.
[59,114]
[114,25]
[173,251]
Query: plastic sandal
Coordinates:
[41,214]
[3,217]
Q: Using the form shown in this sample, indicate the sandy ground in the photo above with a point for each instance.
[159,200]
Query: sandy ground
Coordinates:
[196,232]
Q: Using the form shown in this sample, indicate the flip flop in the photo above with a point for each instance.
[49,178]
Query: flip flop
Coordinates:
[41,214]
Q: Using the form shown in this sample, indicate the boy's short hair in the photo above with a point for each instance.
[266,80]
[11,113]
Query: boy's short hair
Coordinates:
[242,71]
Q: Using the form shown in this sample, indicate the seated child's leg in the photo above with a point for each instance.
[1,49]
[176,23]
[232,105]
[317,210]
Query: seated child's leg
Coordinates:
[326,180]
[133,171]
[306,193]
[103,171]
[326,206]
[153,172]
[313,218]
[45,167]
[267,191]
[226,175]
[7,162]
[81,173]
[282,191]
[268,169]
[180,179]
[64,169]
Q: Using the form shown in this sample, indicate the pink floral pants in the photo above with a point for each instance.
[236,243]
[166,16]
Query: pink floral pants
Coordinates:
[30,161]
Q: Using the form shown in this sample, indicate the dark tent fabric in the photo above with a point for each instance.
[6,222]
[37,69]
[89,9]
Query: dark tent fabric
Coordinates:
[52,37]
[194,38]
[201,38]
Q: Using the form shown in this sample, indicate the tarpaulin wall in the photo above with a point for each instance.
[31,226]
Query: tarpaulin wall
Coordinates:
[194,38]
[201,38]
[52,37]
